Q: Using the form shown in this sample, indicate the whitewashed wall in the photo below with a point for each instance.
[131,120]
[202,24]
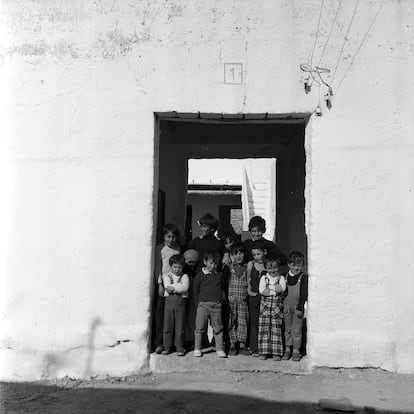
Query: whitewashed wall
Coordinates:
[80,83]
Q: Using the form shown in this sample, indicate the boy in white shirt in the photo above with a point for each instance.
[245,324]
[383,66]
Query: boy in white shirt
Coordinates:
[176,285]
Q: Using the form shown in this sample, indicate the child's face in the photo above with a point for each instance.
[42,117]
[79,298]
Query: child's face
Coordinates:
[205,229]
[238,257]
[296,267]
[272,268]
[177,269]
[256,233]
[258,255]
[210,265]
[169,239]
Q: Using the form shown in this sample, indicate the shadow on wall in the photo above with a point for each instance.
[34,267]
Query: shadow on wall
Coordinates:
[54,362]
[35,398]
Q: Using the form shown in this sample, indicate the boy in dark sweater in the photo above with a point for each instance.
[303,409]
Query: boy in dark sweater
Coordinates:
[207,241]
[208,295]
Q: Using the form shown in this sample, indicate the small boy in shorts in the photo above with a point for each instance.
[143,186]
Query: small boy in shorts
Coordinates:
[294,304]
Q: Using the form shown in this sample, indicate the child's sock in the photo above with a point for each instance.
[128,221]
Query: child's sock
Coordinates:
[242,345]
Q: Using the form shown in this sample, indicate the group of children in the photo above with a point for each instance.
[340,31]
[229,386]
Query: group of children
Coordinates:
[239,287]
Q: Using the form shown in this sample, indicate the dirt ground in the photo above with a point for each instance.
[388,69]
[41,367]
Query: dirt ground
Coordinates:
[214,392]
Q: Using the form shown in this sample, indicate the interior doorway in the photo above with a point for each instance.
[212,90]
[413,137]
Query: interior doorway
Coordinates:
[195,136]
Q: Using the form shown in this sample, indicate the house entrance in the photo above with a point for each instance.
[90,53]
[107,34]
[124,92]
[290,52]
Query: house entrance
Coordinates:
[184,137]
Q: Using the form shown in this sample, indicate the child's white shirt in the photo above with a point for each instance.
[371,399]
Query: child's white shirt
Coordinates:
[272,283]
[166,254]
[180,284]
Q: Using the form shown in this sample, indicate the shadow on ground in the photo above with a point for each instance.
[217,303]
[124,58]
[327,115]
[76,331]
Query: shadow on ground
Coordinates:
[35,398]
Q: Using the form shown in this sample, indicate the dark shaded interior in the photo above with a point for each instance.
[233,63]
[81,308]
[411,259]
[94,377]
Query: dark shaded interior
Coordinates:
[180,140]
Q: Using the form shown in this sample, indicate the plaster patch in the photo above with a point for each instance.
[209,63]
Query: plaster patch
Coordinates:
[115,43]
[30,49]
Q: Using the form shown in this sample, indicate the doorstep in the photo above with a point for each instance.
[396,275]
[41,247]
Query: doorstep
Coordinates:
[210,362]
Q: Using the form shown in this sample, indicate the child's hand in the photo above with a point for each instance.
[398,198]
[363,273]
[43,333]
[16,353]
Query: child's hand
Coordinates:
[266,291]
[299,313]
[251,293]
[160,290]
[278,289]
[170,289]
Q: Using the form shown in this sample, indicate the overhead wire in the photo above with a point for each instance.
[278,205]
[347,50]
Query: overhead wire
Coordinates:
[361,44]
[330,32]
[345,39]
[340,28]
[317,33]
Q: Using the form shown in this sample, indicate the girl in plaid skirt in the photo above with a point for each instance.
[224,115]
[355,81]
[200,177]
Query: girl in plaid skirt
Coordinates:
[271,287]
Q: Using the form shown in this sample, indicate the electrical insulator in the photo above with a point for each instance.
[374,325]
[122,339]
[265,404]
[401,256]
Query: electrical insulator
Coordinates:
[318,111]
[328,101]
[307,85]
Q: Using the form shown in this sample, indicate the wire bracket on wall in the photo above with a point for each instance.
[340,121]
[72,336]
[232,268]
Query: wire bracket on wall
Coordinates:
[316,75]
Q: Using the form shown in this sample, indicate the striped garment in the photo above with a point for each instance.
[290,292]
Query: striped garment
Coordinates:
[239,312]
[270,325]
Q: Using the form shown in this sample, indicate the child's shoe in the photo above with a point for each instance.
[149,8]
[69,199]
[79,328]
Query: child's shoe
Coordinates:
[262,357]
[167,351]
[276,358]
[233,350]
[246,351]
[296,356]
[286,356]
[221,354]
[180,352]
[256,354]
[159,349]
[198,353]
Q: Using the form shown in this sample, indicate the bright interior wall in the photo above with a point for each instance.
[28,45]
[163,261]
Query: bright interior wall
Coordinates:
[215,171]
[80,84]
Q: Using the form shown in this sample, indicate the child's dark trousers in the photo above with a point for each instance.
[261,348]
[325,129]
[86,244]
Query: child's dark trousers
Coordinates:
[158,326]
[174,320]
[254,309]
[212,310]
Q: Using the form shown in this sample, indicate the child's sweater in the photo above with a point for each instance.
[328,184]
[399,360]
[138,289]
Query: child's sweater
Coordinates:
[208,287]
[205,244]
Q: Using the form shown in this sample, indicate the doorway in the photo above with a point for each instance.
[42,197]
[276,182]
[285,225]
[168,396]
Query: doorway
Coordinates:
[184,137]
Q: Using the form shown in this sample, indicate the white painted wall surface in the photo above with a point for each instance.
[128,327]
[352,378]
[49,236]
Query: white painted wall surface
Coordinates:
[80,83]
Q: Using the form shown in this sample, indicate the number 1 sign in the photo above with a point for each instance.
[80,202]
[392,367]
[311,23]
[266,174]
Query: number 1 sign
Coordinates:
[233,73]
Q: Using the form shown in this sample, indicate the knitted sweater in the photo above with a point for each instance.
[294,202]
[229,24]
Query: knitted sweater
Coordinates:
[208,287]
